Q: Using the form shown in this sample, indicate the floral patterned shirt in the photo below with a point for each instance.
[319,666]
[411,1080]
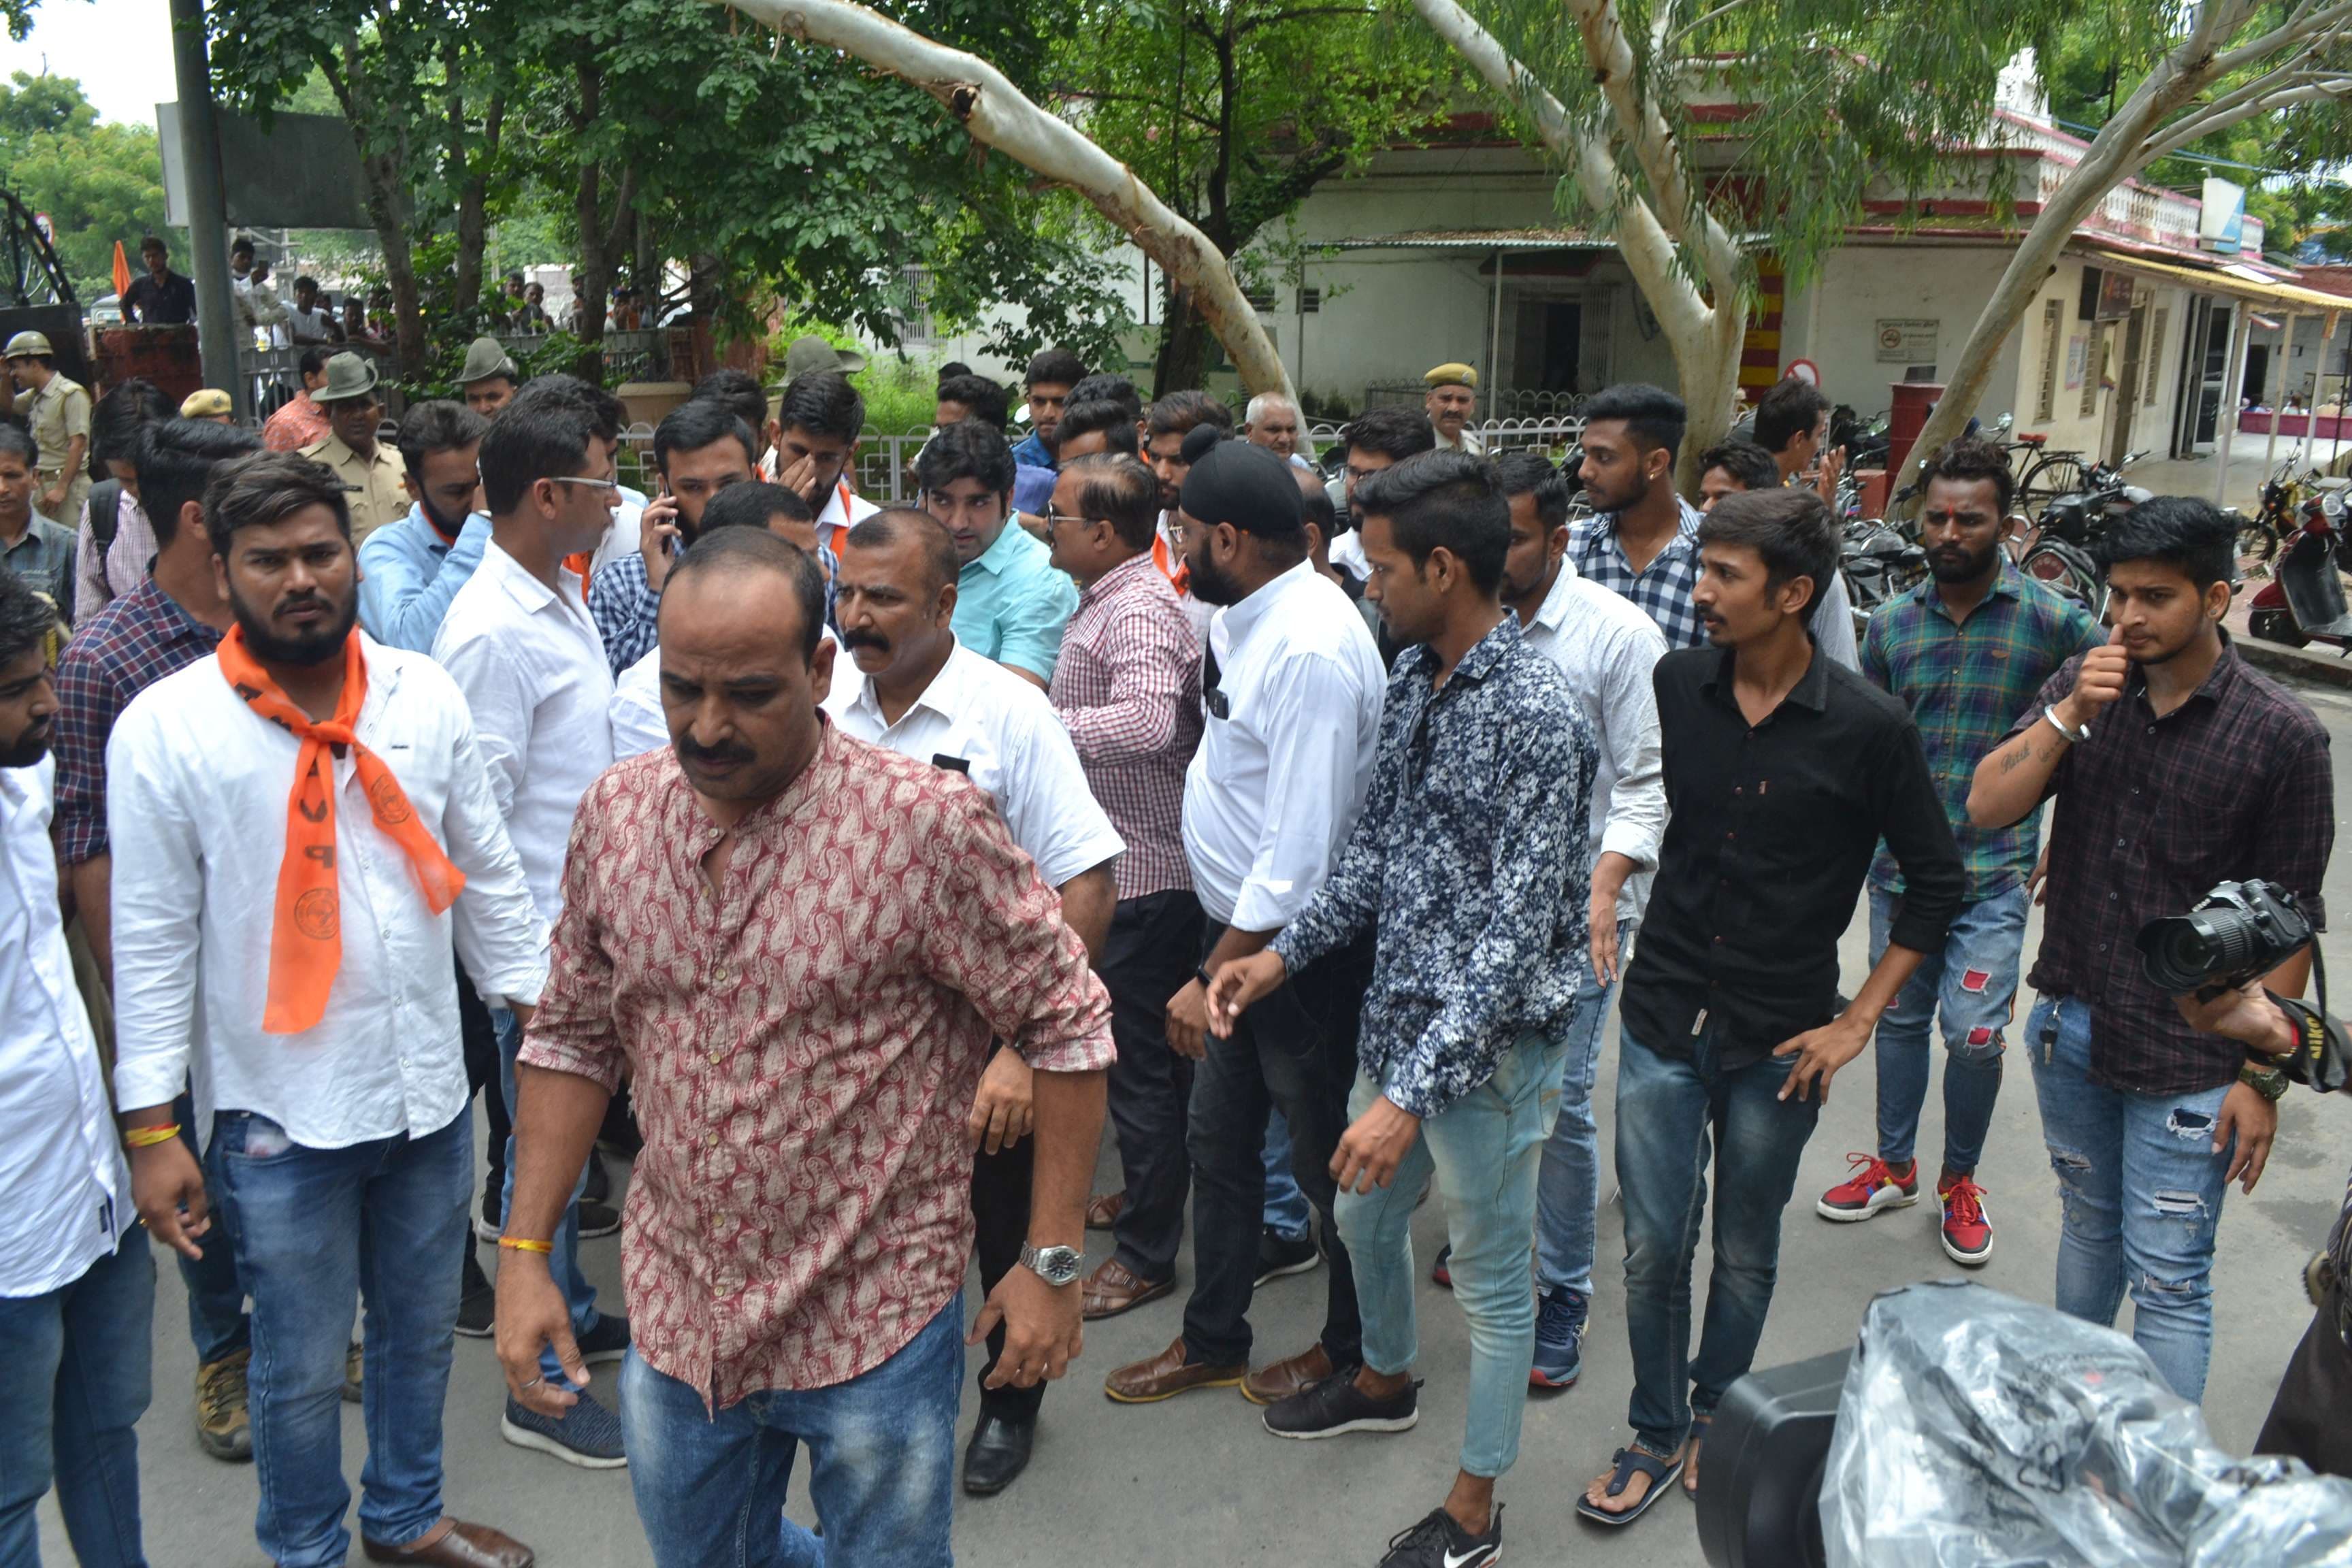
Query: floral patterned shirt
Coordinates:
[1472,855]
[806,1042]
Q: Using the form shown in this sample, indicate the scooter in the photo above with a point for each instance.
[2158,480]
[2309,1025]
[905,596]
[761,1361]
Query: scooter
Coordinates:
[2304,601]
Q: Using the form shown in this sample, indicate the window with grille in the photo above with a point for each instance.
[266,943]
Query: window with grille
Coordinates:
[2053,319]
[1260,298]
[2094,362]
[1310,301]
[2155,353]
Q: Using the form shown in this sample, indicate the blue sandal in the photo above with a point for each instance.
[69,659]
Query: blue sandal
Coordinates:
[1630,1462]
[1698,1426]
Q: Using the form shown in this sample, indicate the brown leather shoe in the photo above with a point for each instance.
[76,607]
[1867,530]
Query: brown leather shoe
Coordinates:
[454,1543]
[1114,1288]
[1277,1381]
[1103,1212]
[1165,1375]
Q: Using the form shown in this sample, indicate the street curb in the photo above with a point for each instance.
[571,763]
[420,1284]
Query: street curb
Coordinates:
[2329,669]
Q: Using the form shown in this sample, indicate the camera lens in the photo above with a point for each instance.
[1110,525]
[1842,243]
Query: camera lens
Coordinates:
[2185,951]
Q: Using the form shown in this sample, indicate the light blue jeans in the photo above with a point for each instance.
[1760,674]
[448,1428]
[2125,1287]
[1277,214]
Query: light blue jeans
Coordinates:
[1567,1195]
[1287,1209]
[710,1486]
[1972,980]
[2139,1190]
[1483,1150]
[564,1261]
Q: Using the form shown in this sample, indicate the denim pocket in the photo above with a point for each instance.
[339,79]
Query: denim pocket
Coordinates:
[245,1136]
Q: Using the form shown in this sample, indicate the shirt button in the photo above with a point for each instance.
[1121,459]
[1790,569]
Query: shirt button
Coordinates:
[719,976]
[713,1139]
[715,1055]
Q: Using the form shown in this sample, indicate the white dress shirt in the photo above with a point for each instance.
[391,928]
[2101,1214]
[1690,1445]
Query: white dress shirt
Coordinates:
[639,725]
[1607,645]
[197,801]
[625,537]
[1280,776]
[1013,747]
[65,1193]
[532,664]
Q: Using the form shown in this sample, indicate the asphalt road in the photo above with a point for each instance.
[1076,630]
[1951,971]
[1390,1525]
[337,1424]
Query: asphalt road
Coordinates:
[1197,1481]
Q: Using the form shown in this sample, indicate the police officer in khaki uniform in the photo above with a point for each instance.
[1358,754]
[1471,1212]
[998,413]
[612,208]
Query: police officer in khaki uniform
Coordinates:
[57,408]
[369,471]
[1451,401]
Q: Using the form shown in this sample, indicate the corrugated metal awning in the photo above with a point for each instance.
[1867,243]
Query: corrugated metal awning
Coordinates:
[1471,239]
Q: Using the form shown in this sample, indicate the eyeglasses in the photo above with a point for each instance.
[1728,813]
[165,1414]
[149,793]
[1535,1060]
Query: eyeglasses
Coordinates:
[1055,514]
[593,484]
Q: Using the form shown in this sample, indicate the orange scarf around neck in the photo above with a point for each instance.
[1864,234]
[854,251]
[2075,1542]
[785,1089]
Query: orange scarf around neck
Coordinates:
[306,936]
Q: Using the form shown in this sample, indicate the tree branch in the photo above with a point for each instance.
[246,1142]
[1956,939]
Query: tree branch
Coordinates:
[1274,19]
[2301,25]
[2226,111]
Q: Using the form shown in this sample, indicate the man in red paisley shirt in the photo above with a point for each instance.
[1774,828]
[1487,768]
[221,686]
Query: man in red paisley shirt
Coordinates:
[802,946]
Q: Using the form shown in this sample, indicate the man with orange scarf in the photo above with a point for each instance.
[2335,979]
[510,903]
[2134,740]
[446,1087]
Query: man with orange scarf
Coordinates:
[298,822]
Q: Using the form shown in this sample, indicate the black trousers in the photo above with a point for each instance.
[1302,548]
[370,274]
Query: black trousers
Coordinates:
[1294,1049]
[1152,949]
[2309,1418]
[1000,1215]
[481,1047]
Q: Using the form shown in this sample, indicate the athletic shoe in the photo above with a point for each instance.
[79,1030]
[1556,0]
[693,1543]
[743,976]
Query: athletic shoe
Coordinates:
[607,1341]
[1441,1273]
[1277,1255]
[1559,1339]
[597,1219]
[223,1427]
[1968,1231]
[1335,1404]
[1438,1542]
[587,1435]
[1874,1185]
[490,1223]
[476,1298]
[599,1186]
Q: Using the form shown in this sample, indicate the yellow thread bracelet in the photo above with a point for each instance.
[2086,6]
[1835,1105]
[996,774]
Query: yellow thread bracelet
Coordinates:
[521,1245]
[147,1137]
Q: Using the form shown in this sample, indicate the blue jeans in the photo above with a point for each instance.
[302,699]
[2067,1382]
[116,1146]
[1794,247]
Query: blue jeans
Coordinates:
[564,1261]
[1484,1149]
[2139,1191]
[384,1222]
[73,1382]
[710,1486]
[1286,1205]
[1568,1193]
[1974,982]
[1666,1110]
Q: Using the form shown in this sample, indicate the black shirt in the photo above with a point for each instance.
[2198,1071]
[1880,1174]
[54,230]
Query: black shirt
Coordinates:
[170,303]
[1770,836]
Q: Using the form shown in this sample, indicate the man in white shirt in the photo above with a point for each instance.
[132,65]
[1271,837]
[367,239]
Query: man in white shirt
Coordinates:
[290,956]
[519,643]
[1607,648]
[920,692]
[1293,686]
[813,439]
[76,1281]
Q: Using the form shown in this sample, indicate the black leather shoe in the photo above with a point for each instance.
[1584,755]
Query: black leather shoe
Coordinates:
[997,1454]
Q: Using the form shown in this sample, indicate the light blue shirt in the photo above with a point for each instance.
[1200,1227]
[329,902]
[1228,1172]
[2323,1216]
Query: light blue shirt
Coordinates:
[1011,604]
[408,575]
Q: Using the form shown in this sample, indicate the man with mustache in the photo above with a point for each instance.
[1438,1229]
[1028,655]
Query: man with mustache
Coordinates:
[77,1299]
[920,692]
[806,1037]
[410,569]
[699,448]
[300,819]
[519,642]
[1966,650]
[1009,603]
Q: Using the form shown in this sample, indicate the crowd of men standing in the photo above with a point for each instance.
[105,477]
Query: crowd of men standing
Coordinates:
[846,868]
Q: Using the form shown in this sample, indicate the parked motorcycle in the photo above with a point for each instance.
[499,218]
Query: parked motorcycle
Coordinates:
[1878,564]
[2304,601]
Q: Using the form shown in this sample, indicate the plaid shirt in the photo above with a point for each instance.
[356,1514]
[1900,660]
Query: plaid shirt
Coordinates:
[1966,683]
[2152,812]
[1128,689]
[623,606]
[127,646]
[1663,588]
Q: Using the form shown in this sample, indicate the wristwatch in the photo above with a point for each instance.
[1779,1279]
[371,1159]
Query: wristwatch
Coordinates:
[1056,1266]
[2073,737]
[2267,1081]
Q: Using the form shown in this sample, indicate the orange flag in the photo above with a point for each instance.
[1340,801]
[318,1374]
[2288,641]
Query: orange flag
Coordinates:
[122,271]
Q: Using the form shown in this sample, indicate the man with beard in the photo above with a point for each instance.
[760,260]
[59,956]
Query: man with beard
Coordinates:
[1641,540]
[811,441]
[410,570]
[1967,650]
[371,471]
[77,1299]
[919,692]
[807,1148]
[519,642]
[329,1083]
[1292,688]
[1009,604]
[699,448]
[174,616]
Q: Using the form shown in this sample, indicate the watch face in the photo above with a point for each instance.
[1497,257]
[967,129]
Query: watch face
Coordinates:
[1057,1265]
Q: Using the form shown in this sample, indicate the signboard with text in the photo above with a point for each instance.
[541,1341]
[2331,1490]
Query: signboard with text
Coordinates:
[1907,339]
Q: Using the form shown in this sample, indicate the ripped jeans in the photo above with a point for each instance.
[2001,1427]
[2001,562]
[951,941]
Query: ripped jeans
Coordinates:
[2140,1192]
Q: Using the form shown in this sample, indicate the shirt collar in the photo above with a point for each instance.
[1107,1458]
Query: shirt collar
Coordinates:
[2007,584]
[2215,689]
[998,557]
[337,453]
[1686,529]
[520,586]
[1811,691]
[150,600]
[1553,611]
[1120,578]
[950,695]
[1242,618]
[1476,665]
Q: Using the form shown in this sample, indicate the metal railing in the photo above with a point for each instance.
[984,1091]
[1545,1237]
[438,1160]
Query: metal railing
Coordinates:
[1552,434]
[640,355]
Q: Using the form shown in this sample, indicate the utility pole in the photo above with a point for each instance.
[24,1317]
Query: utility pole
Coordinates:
[207,219]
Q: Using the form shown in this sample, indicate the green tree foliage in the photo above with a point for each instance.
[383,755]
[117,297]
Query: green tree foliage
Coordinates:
[1234,110]
[97,182]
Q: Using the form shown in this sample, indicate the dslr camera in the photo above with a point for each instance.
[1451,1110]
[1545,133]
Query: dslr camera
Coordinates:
[2235,934]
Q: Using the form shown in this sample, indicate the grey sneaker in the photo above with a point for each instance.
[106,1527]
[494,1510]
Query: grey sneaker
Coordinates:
[587,1435]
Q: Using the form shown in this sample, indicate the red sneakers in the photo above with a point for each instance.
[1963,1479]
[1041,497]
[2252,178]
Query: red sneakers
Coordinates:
[1874,1185]
[1968,1233]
